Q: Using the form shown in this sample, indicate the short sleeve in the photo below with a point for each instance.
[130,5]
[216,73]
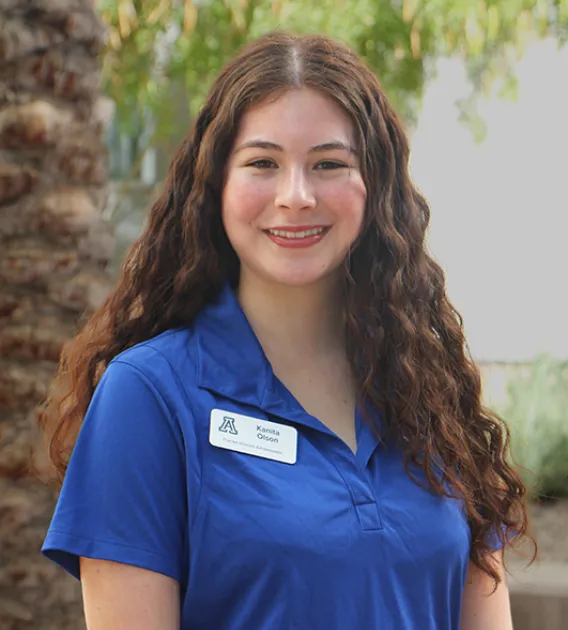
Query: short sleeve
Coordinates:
[124,494]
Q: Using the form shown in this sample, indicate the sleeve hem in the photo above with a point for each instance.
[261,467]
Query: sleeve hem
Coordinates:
[65,549]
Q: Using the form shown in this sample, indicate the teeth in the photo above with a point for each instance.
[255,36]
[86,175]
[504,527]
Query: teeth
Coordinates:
[284,234]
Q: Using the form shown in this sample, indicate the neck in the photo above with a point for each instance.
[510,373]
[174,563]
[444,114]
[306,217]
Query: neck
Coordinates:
[303,322]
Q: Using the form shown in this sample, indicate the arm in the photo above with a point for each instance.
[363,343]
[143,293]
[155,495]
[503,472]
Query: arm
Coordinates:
[121,597]
[481,608]
[120,524]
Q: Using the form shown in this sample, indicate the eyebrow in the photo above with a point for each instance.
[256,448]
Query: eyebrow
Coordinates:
[327,146]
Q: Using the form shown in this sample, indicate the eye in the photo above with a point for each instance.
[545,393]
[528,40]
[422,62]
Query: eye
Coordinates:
[262,164]
[330,166]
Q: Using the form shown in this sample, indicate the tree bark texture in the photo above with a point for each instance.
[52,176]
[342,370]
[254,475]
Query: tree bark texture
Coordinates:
[54,249]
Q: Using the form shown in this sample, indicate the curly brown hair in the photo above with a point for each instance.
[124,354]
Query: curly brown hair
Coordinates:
[405,340]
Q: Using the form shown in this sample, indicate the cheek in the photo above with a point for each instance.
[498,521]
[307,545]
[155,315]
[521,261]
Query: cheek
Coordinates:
[348,199]
[243,199]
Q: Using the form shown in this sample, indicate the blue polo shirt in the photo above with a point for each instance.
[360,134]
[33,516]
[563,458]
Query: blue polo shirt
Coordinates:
[333,541]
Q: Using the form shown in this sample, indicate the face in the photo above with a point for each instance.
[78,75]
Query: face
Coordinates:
[294,198]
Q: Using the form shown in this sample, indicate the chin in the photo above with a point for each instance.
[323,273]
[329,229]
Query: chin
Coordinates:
[300,277]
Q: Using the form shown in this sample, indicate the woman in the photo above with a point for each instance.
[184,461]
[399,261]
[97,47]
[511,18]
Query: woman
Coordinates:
[282,429]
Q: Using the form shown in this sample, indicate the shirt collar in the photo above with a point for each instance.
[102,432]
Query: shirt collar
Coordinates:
[231,359]
[232,363]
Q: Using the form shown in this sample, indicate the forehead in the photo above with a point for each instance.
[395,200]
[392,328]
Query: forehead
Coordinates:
[299,116]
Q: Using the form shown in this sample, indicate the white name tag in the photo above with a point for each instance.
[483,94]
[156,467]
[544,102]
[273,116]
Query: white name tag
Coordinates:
[252,436]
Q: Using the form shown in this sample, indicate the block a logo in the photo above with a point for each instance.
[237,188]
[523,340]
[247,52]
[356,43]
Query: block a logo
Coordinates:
[228,426]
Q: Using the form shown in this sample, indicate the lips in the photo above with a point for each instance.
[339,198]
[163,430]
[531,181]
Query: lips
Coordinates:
[297,236]
[296,232]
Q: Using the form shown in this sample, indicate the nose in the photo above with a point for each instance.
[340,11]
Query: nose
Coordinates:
[294,191]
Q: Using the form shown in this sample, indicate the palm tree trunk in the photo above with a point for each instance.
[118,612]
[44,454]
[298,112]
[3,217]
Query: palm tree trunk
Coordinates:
[53,252]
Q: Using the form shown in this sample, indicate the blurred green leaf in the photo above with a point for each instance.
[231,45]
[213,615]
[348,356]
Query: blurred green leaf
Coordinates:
[537,413]
[157,47]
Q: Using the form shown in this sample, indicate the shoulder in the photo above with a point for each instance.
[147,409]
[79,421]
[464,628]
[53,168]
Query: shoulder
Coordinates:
[170,355]
[164,367]
[146,391]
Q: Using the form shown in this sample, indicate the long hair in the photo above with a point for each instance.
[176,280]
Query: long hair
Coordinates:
[405,340]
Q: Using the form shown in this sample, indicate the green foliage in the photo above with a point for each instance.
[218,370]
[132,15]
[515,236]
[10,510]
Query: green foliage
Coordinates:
[537,413]
[154,46]
[554,471]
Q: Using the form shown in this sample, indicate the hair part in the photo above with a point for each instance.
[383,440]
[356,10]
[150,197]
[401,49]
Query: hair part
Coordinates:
[405,340]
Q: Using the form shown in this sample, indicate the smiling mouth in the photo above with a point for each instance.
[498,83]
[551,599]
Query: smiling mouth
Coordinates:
[297,233]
